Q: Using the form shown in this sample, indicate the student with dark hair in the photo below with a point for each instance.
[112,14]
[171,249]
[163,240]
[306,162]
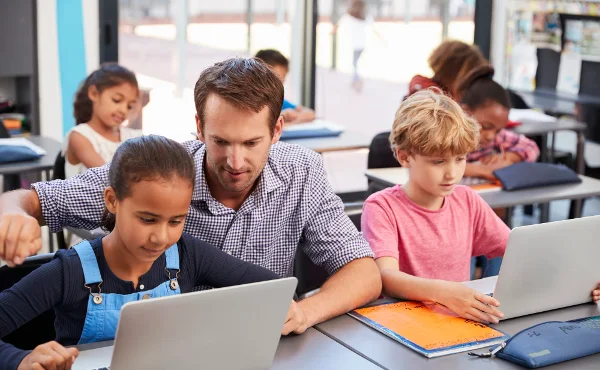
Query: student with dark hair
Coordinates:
[151,181]
[450,62]
[254,197]
[103,101]
[488,102]
[292,113]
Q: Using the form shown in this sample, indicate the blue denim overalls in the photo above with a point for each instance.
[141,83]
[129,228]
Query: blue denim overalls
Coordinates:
[103,309]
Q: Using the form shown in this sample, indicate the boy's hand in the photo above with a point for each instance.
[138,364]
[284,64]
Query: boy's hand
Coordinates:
[468,303]
[20,237]
[596,294]
[49,356]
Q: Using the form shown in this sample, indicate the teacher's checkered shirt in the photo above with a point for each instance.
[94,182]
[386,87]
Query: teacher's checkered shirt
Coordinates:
[292,206]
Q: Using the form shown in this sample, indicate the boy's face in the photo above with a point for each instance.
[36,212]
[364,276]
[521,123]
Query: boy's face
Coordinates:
[435,175]
[280,71]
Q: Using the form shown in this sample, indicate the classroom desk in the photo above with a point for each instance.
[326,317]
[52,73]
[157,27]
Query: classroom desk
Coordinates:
[311,350]
[534,128]
[43,164]
[556,103]
[589,187]
[392,355]
[347,140]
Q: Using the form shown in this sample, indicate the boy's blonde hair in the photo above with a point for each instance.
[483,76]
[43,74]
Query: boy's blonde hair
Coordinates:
[430,123]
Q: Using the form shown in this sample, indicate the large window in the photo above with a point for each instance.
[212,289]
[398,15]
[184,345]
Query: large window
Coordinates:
[396,42]
[168,62]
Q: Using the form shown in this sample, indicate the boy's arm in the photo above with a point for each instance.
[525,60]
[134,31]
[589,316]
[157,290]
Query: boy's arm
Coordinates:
[457,297]
[490,233]
[304,114]
[596,294]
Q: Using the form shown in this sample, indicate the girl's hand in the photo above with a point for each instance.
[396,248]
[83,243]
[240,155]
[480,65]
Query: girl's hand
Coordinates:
[49,356]
[468,303]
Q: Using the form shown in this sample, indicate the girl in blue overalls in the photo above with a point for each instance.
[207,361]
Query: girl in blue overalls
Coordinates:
[146,255]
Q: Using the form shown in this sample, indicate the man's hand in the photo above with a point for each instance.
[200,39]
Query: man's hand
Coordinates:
[20,237]
[49,356]
[596,294]
[469,303]
[295,321]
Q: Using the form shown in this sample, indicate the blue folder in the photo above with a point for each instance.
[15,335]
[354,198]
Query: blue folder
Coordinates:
[310,133]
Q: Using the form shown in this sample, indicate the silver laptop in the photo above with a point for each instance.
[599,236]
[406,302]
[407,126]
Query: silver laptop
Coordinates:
[229,328]
[549,266]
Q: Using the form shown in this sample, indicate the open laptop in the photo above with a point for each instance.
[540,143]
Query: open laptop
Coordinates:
[237,327]
[547,266]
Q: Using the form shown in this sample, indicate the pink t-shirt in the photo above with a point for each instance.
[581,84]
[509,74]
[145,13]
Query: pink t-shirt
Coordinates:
[433,244]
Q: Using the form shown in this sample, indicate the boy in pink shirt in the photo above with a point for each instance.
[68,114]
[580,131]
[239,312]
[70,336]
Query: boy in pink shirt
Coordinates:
[425,232]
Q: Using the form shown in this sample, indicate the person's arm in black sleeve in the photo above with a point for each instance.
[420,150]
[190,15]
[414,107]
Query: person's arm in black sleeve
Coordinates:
[218,269]
[35,294]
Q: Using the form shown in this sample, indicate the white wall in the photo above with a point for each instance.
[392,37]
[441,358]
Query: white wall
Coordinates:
[50,97]
[48,71]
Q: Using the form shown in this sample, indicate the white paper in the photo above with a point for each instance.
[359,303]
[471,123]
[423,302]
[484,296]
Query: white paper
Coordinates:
[519,115]
[569,73]
[523,67]
[23,142]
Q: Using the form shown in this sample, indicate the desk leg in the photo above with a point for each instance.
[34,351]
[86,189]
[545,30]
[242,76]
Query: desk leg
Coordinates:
[545,207]
[577,205]
[508,217]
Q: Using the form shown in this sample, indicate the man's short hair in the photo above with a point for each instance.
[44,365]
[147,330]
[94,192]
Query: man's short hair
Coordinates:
[246,83]
[430,123]
[273,58]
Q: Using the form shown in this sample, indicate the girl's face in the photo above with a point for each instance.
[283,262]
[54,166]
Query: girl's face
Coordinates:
[492,117]
[113,104]
[151,218]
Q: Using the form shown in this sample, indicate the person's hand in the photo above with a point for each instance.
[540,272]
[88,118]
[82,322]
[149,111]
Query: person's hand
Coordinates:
[49,356]
[596,294]
[468,303]
[289,115]
[484,172]
[295,321]
[20,237]
[495,162]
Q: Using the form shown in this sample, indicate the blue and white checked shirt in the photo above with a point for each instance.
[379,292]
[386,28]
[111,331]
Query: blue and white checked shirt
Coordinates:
[292,206]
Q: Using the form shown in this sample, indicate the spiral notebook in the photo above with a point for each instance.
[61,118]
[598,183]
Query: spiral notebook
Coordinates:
[430,329]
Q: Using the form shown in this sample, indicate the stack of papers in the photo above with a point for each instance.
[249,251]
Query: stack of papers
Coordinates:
[520,115]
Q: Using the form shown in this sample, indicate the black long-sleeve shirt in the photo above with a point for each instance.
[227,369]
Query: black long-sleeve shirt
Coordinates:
[59,284]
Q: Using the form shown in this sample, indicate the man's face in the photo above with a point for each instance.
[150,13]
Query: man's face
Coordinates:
[237,143]
[280,71]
